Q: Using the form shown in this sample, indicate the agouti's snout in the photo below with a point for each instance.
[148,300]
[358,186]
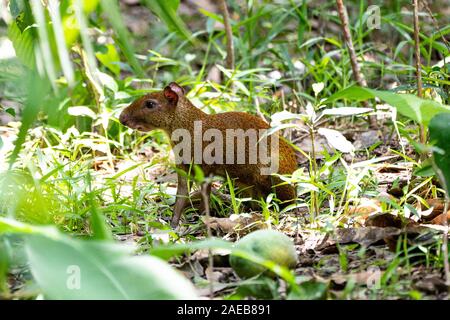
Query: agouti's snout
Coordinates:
[123,118]
[127,120]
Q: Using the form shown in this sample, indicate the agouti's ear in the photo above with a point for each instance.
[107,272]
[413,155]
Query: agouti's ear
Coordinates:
[177,88]
[171,95]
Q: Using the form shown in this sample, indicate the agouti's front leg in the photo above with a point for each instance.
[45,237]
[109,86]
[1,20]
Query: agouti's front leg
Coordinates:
[182,199]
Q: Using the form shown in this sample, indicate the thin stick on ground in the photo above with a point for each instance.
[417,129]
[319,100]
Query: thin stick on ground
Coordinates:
[359,78]
[423,135]
[229,34]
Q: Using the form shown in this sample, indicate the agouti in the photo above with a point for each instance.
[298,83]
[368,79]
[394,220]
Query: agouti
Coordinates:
[223,148]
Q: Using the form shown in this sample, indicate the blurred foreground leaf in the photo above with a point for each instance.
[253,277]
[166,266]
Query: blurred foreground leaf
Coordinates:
[67,268]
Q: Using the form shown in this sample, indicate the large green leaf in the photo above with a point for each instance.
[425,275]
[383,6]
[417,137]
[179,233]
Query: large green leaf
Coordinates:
[419,110]
[23,43]
[104,271]
[439,135]
[67,268]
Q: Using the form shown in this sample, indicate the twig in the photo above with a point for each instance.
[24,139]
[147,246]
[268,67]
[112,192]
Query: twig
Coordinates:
[436,25]
[423,135]
[229,34]
[359,78]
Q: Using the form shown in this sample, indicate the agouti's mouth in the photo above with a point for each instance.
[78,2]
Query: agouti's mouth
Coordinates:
[140,127]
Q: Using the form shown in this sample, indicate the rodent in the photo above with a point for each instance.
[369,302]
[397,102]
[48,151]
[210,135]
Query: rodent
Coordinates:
[170,110]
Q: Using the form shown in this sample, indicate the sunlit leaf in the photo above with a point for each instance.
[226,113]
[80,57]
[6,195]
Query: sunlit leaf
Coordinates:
[336,140]
[417,109]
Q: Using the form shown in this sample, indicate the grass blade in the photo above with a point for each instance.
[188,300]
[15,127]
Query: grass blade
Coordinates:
[111,9]
[166,11]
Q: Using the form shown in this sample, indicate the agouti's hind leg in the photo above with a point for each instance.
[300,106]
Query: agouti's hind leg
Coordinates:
[182,200]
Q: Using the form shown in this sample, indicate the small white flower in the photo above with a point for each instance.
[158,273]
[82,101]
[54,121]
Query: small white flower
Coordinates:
[300,66]
[276,75]
[189,57]
[318,87]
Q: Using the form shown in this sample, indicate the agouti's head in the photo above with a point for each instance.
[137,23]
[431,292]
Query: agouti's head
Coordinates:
[153,111]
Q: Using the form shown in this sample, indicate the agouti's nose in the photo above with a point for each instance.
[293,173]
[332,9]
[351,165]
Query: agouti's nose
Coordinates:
[123,118]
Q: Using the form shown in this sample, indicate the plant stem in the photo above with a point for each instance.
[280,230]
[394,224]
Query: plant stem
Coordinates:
[359,78]
[229,34]
[314,198]
[423,134]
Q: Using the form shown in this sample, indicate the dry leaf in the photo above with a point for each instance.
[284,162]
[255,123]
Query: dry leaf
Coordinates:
[364,236]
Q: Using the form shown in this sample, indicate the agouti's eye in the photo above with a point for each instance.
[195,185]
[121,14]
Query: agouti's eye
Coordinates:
[149,104]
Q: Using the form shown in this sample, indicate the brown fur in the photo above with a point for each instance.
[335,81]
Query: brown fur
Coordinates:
[170,110]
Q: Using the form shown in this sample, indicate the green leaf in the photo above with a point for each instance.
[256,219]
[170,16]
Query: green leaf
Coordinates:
[21,13]
[37,89]
[109,58]
[11,111]
[112,11]
[99,226]
[439,135]
[23,43]
[71,26]
[81,111]
[166,11]
[8,225]
[107,81]
[80,269]
[67,268]
[309,290]
[419,110]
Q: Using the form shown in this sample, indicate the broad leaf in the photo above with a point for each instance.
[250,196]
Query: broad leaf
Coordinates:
[336,140]
[81,269]
[67,268]
[419,110]
[439,135]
